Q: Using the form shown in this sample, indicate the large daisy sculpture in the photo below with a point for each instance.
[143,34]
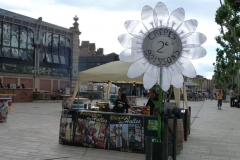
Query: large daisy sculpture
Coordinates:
[161,47]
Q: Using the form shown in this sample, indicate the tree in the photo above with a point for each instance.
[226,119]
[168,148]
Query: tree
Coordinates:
[226,67]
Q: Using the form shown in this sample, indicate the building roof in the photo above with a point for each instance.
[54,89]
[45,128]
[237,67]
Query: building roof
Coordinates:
[85,44]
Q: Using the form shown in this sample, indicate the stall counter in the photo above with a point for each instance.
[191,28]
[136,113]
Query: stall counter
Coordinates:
[21,94]
[106,130]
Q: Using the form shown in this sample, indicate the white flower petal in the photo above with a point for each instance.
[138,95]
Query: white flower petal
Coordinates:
[128,41]
[148,18]
[186,27]
[196,39]
[176,18]
[162,14]
[177,78]
[166,79]
[194,53]
[150,76]
[136,28]
[138,68]
[129,55]
[186,67]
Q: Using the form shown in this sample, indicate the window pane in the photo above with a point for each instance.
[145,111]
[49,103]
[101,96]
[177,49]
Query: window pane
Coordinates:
[55,59]
[67,60]
[14,52]
[1,54]
[82,64]
[64,72]
[62,60]
[10,68]
[67,48]
[42,56]
[43,39]
[55,72]
[67,51]
[26,69]
[15,35]
[62,45]
[23,54]
[55,43]
[23,37]
[6,34]
[49,58]
[30,55]
[49,42]
[30,40]
[91,64]
[6,52]
[45,71]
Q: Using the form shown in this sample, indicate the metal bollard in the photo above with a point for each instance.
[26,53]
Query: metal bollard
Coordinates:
[148,148]
[169,112]
[174,138]
[185,125]
[189,119]
[165,139]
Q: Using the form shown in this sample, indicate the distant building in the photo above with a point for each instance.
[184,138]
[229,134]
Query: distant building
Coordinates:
[42,55]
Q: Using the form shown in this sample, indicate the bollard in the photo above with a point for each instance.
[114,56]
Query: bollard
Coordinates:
[165,139]
[174,138]
[185,125]
[189,121]
[169,112]
[148,148]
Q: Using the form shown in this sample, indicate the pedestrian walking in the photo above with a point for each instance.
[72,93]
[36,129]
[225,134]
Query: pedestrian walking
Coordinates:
[231,93]
[219,98]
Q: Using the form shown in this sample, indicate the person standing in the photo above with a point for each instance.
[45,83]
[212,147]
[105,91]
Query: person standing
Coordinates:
[151,101]
[1,85]
[220,98]
[231,93]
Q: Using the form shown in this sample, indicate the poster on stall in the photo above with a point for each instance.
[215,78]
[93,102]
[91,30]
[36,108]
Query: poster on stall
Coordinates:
[66,127]
[126,133]
[91,129]
[151,126]
[3,111]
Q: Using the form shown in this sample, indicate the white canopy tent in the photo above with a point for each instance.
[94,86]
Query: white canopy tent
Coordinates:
[112,72]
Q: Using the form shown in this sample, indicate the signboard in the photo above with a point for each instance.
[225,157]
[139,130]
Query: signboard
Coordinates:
[66,127]
[126,133]
[91,129]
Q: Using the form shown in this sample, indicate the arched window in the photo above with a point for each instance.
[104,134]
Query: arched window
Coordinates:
[55,52]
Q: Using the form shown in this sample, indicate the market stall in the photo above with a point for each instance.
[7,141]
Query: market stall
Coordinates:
[106,130]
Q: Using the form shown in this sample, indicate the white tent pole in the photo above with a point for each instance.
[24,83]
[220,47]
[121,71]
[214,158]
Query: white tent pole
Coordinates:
[76,89]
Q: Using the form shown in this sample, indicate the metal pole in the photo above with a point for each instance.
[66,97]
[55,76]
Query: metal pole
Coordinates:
[148,148]
[174,138]
[185,124]
[165,140]
[189,119]
[183,94]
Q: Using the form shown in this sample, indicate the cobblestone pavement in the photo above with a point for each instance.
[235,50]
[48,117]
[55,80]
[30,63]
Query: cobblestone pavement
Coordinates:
[31,133]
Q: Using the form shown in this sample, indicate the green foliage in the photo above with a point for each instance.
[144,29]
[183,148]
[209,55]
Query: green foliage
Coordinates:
[227,59]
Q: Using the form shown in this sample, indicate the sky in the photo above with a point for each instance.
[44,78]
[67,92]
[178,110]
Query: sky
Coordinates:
[102,21]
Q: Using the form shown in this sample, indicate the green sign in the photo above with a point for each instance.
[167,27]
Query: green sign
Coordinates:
[152,125]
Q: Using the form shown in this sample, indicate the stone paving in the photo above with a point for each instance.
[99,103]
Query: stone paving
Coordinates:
[31,133]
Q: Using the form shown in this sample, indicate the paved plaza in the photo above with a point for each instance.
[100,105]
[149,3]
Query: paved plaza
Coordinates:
[31,133]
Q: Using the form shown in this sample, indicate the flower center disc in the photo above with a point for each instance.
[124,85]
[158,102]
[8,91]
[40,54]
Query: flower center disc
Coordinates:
[162,47]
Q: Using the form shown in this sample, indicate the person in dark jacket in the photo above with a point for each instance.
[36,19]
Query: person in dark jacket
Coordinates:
[151,101]
[121,104]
